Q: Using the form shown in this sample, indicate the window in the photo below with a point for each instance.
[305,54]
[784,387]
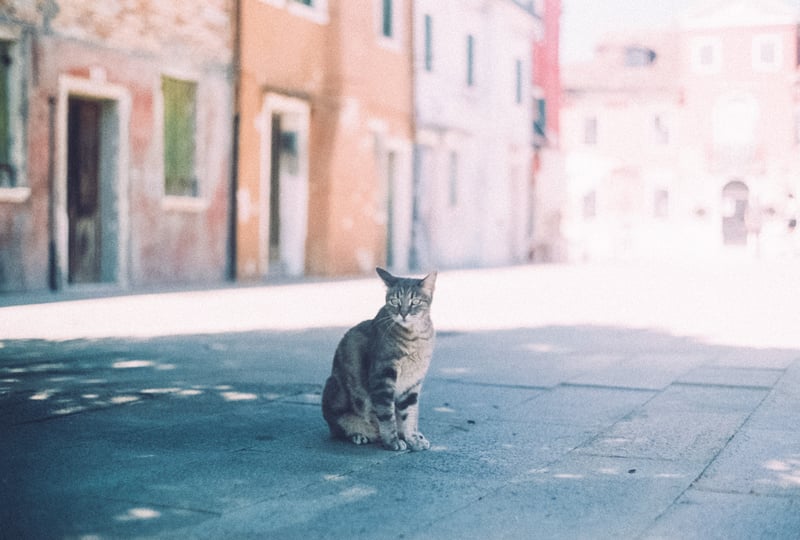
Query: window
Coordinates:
[797,127]
[660,130]
[428,43]
[767,52]
[388,20]
[706,55]
[661,204]
[518,87]
[590,130]
[314,10]
[452,183]
[540,117]
[590,205]
[470,60]
[639,56]
[387,23]
[180,110]
[13,182]
[7,170]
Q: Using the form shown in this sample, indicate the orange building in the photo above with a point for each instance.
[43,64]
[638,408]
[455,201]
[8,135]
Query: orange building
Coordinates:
[325,137]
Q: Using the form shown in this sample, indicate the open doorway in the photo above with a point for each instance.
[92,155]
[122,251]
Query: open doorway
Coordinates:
[735,197]
[92,191]
[284,185]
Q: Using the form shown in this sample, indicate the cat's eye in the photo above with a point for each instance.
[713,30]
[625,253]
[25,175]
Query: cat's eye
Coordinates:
[394,301]
[415,301]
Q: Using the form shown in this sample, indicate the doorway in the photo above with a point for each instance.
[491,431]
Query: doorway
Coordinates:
[735,197]
[284,185]
[92,220]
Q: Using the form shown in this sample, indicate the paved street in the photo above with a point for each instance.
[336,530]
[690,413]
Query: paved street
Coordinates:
[604,401]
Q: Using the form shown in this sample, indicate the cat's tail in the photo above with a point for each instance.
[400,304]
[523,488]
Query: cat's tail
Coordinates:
[333,407]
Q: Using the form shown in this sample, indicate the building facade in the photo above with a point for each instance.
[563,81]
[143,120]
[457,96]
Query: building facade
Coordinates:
[473,149]
[115,143]
[548,185]
[324,165]
[260,138]
[683,142]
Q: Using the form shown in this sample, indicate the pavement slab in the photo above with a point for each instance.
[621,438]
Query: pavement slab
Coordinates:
[708,515]
[763,462]
[576,497]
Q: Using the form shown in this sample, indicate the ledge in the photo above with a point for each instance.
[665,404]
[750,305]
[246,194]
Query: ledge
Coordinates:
[15,195]
[193,205]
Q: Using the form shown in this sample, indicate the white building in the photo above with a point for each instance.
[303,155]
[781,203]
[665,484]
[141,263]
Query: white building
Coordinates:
[684,142]
[473,118]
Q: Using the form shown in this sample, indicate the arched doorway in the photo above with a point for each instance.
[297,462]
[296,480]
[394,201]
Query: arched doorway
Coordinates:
[735,197]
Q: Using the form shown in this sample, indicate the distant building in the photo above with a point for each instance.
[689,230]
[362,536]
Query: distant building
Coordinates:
[684,142]
[115,143]
[473,140]
[325,137]
[548,189]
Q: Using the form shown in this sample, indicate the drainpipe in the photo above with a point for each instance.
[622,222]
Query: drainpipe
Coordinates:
[233,208]
[53,277]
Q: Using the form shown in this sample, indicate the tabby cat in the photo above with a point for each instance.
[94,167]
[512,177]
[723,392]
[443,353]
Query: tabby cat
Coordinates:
[373,392]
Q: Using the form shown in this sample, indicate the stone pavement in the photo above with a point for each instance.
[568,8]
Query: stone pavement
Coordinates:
[563,402]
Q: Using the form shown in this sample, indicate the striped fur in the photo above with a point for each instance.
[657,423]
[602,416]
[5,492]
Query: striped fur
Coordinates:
[373,392]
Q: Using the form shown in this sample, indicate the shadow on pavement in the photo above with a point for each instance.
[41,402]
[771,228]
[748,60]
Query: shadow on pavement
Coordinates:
[215,435]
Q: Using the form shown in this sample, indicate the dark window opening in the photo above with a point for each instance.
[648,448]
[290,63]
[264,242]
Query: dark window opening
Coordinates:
[428,43]
[470,60]
[7,170]
[639,56]
[387,23]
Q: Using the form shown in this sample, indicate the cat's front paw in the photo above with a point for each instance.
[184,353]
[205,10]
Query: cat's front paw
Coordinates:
[395,444]
[358,438]
[417,442]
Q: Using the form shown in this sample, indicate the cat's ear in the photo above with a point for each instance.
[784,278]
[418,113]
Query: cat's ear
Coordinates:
[387,278]
[428,283]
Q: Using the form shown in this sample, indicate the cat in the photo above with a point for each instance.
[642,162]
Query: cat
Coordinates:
[373,392]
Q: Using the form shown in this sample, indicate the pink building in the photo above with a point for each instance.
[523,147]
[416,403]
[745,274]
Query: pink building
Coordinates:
[685,141]
[115,143]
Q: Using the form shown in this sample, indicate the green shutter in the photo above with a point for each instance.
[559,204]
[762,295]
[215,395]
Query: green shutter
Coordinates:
[180,101]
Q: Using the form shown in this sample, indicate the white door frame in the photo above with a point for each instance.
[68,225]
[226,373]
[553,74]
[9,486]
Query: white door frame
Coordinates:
[94,88]
[294,188]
